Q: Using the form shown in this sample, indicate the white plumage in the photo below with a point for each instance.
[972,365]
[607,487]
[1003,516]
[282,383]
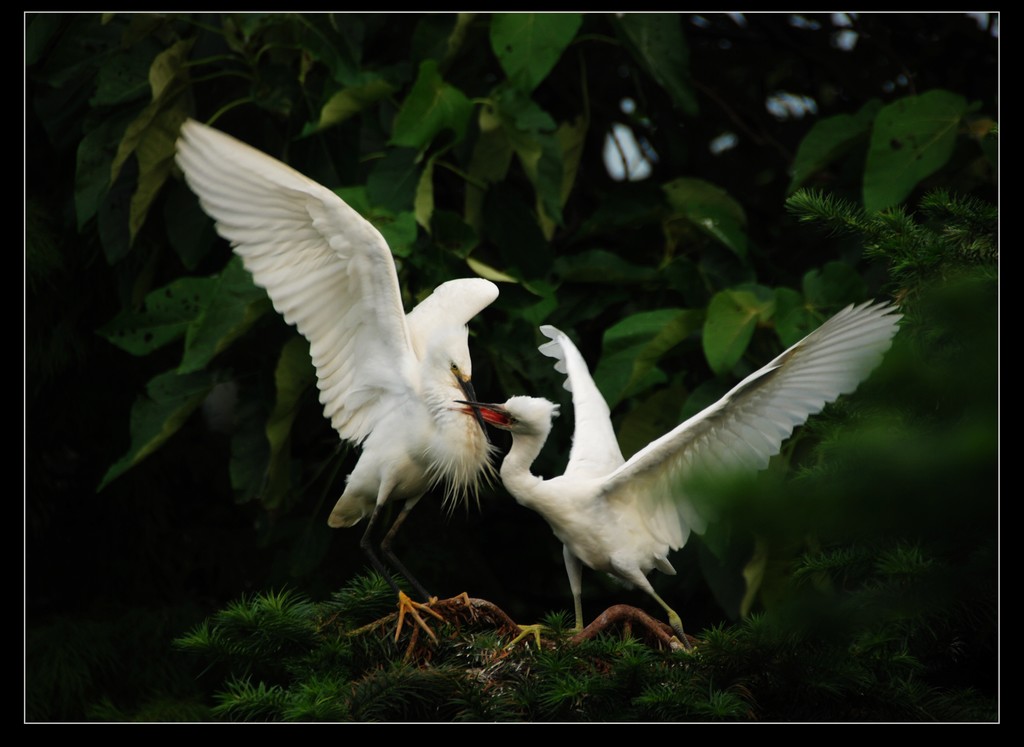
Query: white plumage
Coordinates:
[624,517]
[387,380]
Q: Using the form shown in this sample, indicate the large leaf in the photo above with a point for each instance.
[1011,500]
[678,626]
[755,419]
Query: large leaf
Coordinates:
[492,155]
[293,375]
[632,347]
[151,136]
[829,139]
[834,285]
[528,45]
[423,205]
[393,180]
[732,317]
[397,228]
[709,209]
[659,44]
[348,102]
[652,418]
[794,317]
[571,138]
[92,170]
[532,134]
[231,307]
[912,139]
[166,317]
[602,267]
[158,415]
[431,106]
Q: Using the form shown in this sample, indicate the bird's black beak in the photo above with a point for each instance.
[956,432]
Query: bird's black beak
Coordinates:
[467,389]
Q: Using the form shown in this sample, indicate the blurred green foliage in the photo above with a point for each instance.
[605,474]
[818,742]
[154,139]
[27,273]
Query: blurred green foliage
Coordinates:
[485,144]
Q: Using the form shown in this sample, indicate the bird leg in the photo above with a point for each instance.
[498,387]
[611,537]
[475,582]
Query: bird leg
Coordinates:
[574,569]
[385,547]
[366,544]
[674,620]
[405,604]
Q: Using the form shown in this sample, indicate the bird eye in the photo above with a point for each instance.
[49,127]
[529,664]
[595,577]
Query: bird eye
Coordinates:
[455,367]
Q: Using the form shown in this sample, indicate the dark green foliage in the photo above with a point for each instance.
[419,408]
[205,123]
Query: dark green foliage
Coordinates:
[881,665]
[856,579]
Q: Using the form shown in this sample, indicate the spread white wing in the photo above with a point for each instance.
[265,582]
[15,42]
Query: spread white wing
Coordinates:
[595,450]
[742,430]
[326,269]
[745,428]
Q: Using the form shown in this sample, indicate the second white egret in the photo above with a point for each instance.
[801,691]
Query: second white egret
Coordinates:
[387,380]
[623,517]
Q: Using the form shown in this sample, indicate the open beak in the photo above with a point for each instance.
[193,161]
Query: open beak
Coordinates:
[467,389]
[493,414]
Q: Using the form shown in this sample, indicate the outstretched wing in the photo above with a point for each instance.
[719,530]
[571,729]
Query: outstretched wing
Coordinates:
[452,303]
[745,428]
[595,450]
[326,269]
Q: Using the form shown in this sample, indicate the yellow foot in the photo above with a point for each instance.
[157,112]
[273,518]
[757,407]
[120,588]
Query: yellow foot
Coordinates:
[406,605]
[528,630]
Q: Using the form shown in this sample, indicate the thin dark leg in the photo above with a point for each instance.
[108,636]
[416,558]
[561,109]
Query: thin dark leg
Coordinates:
[385,547]
[366,544]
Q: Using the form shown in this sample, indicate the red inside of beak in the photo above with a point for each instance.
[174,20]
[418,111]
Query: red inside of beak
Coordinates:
[489,414]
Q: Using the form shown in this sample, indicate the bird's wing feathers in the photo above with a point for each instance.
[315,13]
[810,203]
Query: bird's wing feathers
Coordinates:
[745,428]
[595,450]
[326,269]
[452,303]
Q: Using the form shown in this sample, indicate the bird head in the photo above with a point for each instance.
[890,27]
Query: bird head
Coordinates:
[525,415]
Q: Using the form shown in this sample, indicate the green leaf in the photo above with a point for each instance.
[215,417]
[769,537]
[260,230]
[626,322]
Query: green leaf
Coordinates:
[829,139]
[293,375]
[651,419]
[732,317]
[492,154]
[231,307]
[659,45]
[631,348]
[151,136]
[431,106]
[397,228]
[709,209]
[124,77]
[94,158]
[528,45]
[189,230]
[794,318]
[571,138]
[602,267]
[393,179]
[911,140]
[423,205]
[158,415]
[532,133]
[250,452]
[488,272]
[834,285]
[348,102]
[452,234]
[167,315]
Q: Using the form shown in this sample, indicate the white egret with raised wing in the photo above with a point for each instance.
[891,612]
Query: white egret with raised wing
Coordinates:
[388,380]
[623,517]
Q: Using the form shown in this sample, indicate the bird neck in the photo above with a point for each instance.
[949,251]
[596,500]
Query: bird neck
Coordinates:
[515,469]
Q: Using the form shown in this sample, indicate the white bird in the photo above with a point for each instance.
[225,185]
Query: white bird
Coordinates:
[623,517]
[387,380]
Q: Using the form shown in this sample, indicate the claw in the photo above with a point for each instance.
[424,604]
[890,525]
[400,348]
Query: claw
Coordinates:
[527,630]
[406,605]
